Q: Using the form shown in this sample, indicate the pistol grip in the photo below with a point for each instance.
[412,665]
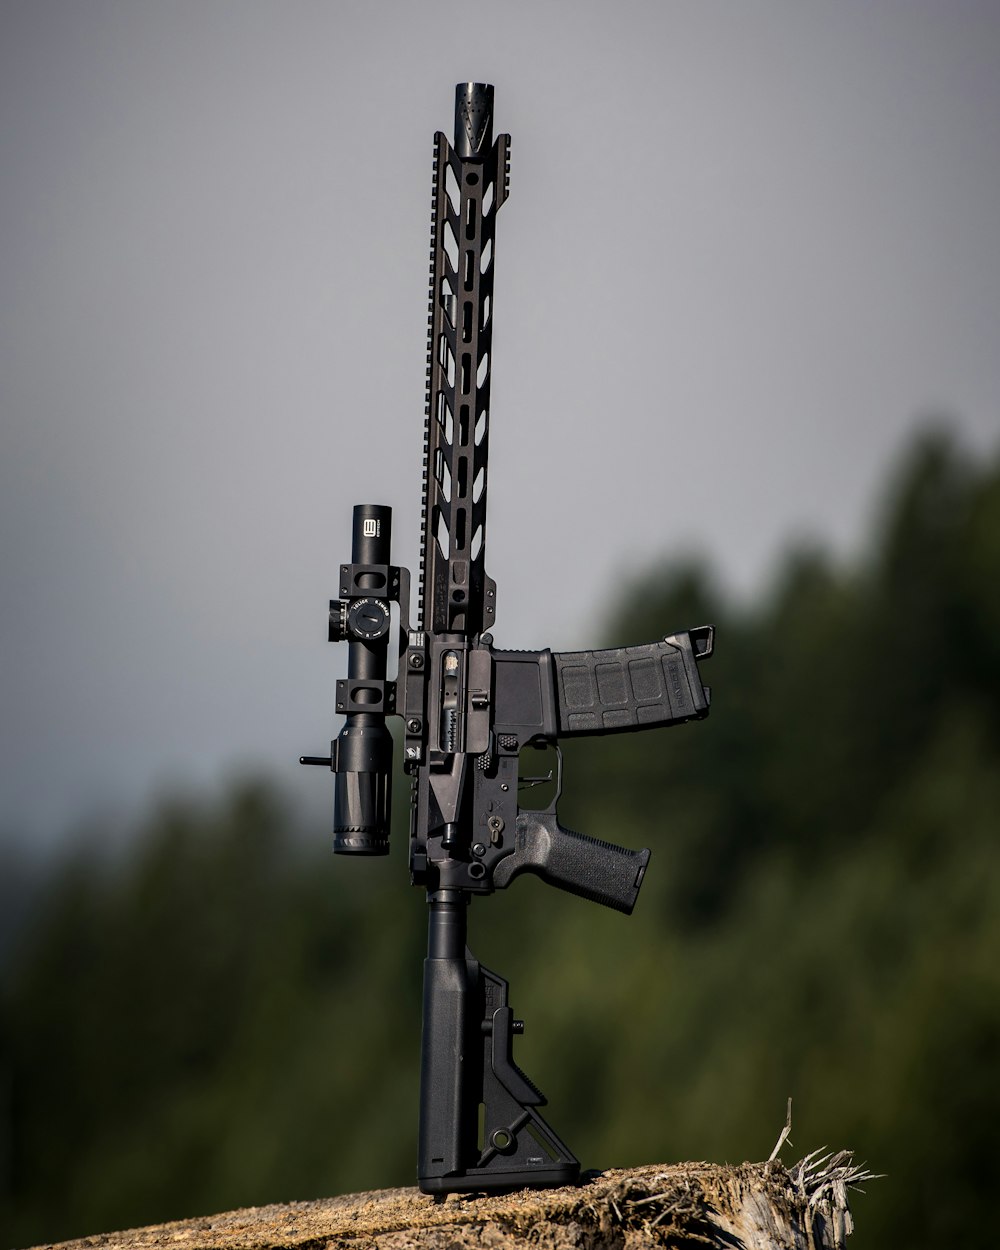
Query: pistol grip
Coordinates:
[595,870]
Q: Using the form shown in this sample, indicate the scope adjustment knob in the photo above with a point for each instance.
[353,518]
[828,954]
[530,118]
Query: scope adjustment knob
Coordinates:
[338,620]
[368,619]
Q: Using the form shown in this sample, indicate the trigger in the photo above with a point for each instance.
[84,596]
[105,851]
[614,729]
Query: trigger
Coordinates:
[559,777]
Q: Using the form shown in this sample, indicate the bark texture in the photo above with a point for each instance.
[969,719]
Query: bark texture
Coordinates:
[756,1206]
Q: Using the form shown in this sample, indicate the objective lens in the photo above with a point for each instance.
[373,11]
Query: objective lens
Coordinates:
[362,786]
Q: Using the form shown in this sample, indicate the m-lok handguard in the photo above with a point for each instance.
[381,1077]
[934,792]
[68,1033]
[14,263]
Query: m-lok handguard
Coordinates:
[469,709]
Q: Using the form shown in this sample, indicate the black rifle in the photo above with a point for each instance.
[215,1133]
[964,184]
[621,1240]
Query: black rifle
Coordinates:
[468,710]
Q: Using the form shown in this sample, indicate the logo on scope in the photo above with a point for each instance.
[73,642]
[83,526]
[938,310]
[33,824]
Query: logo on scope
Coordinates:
[371,527]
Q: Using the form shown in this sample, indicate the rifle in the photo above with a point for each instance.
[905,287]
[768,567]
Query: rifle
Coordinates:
[468,709]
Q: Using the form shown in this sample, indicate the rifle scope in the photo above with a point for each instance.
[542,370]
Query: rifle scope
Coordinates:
[361,755]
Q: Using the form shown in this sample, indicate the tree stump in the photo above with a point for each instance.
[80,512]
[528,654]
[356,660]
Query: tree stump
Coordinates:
[756,1206]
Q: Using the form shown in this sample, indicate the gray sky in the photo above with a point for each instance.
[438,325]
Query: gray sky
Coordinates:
[749,246]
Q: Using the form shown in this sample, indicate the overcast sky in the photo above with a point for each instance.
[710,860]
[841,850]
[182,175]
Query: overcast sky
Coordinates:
[749,248]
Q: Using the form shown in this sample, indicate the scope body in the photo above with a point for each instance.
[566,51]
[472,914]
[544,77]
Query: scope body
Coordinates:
[361,755]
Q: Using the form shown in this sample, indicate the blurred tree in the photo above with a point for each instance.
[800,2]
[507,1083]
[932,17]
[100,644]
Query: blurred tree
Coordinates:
[186,1034]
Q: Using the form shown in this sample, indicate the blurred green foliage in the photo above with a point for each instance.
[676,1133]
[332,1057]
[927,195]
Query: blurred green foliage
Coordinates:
[227,1016]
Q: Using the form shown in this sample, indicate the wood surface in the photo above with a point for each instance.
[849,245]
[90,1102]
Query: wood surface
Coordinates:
[753,1206]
